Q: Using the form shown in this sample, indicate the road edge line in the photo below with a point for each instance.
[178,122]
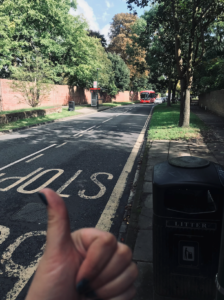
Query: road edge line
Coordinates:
[105,220]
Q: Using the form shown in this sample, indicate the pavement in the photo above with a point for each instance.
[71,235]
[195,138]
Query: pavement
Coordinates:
[210,146]
[89,160]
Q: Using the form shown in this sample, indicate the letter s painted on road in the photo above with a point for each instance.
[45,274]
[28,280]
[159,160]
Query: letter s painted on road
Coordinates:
[101,186]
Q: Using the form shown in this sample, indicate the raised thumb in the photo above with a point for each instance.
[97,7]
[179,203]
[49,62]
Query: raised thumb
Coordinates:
[58,227]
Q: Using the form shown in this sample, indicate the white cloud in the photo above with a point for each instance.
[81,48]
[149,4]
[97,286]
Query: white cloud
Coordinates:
[109,5]
[105,16]
[87,11]
[105,31]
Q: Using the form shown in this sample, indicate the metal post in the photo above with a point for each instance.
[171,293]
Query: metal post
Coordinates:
[220,276]
[97,91]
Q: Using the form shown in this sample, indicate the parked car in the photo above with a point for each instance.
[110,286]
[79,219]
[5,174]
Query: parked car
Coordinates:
[158,101]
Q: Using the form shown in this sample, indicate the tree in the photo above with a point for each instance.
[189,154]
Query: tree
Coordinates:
[33,78]
[189,22]
[97,35]
[120,71]
[60,37]
[123,43]
[160,51]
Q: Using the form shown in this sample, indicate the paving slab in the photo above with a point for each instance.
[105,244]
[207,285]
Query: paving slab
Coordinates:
[148,202]
[148,173]
[143,246]
[144,282]
[147,187]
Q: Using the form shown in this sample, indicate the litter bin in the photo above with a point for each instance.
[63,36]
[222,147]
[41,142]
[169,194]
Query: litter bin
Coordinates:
[188,194]
[71,106]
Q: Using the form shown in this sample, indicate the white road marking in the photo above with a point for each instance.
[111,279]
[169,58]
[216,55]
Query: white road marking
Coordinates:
[107,120]
[34,158]
[108,214]
[61,145]
[84,131]
[4,233]
[21,188]
[22,273]
[21,179]
[15,162]
[67,183]
[2,174]
[100,185]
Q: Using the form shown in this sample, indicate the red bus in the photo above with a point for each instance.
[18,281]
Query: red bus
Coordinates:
[147,97]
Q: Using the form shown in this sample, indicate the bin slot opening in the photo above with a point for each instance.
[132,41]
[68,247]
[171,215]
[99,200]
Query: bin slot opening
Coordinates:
[189,200]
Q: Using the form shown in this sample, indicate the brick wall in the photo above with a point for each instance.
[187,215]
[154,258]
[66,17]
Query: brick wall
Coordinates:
[213,101]
[60,95]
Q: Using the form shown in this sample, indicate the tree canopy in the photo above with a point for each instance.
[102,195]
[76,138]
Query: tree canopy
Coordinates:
[188,22]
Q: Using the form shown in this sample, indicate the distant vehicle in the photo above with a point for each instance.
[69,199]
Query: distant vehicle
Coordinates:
[147,96]
[158,101]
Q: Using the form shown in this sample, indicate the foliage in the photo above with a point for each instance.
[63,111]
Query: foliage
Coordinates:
[33,79]
[120,71]
[188,22]
[38,120]
[60,37]
[97,35]
[123,42]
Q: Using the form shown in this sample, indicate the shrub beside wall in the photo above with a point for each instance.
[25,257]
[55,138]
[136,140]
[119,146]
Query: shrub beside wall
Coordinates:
[11,117]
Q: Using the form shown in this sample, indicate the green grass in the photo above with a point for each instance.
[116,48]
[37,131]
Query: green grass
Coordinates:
[38,120]
[33,108]
[24,109]
[164,124]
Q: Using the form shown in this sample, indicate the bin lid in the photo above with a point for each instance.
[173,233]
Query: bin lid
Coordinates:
[189,162]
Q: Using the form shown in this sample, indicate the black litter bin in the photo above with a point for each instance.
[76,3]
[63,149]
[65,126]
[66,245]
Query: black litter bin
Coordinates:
[188,195]
[71,106]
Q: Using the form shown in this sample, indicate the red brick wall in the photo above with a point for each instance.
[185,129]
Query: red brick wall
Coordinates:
[60,95]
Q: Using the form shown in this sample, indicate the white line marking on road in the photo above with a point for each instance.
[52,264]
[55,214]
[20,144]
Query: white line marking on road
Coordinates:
[22,273]
[34,158]
[4,233]
[107,120]
[108,214]
[100,185]
[84,131]
[67,183]
[98,126]
[15,162]
[61,145]
[20,179]
[21,188]
[2,174]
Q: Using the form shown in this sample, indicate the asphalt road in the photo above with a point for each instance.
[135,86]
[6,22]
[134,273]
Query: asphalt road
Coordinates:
[84,160]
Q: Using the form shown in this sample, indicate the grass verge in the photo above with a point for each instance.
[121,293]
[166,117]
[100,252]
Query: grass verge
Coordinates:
[31,108]
[38,120]
[164,124]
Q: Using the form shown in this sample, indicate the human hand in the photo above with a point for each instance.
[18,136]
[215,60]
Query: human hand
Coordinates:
[87,263]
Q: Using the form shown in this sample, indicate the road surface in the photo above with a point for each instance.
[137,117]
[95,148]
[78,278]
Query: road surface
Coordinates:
[89,161]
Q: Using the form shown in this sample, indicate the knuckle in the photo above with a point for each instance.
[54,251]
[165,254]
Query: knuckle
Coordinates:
[124,253]
[109,240]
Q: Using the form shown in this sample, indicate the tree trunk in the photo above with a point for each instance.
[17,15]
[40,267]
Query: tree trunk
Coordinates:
[186,111]
[169,92]
[182,100]
[174,91]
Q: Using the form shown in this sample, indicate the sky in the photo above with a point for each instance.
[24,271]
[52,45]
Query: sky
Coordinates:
[99,13]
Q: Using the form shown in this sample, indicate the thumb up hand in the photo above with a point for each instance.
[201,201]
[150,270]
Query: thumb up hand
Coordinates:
[87,263]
